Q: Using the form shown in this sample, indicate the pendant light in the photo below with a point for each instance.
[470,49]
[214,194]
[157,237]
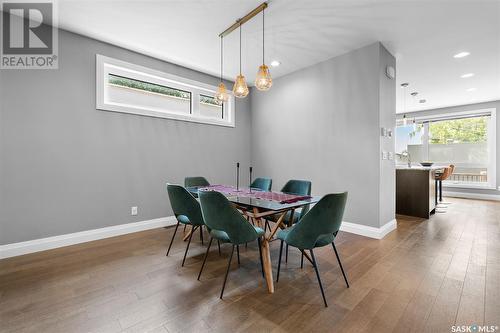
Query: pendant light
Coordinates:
[404,86]
[240,88]
[221,95]
[263,80]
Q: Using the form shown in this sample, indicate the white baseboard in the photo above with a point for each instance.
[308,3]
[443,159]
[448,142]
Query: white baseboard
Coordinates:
[372,232]
[42,244]
[466,195]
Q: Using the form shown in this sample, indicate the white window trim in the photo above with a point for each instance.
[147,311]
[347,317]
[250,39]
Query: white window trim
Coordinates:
[492,141]
[104,65]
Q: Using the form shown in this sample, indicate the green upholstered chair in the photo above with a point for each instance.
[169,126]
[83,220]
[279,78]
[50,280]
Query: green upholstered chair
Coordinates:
[264,184]
[187,211]
[299,187]
[195,181]
[226,225]
[317,228]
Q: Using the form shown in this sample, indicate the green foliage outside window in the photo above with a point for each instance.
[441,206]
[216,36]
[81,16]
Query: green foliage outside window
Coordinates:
[467,130]
[209,100]
[156,88]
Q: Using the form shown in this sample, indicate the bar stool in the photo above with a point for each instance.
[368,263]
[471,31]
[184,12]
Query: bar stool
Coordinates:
[447,171]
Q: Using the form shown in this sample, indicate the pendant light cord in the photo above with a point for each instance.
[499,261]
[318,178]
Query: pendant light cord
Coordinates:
[240,48]
[221,57]
[263,41]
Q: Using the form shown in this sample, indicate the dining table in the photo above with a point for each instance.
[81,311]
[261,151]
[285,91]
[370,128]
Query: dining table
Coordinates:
[257,205]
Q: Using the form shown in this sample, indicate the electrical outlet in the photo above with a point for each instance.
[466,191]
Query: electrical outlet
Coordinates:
[133,210]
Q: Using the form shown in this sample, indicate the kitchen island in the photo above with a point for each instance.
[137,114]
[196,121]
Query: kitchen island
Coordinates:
[416,190]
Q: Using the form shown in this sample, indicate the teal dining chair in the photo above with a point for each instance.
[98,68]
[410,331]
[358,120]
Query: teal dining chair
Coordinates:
[317,228]
[195,181]
[263,184]
[226,225]
[298,187]
[187,211]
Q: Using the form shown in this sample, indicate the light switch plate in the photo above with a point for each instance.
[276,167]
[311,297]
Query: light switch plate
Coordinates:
[391,155]
[384,155]
[383,131]
[133,211]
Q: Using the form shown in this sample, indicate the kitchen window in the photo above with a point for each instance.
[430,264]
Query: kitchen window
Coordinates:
[128,88]
[466,140]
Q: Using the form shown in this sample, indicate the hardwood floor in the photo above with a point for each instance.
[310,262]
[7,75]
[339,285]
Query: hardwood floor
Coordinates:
[425,276]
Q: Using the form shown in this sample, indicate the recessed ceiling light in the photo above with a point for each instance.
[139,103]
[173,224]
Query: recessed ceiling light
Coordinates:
[471,89]
[467,75]
[275,63]
[422,101]
[461,55]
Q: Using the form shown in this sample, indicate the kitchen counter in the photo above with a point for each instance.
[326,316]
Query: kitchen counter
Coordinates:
[418,167]
[416,190]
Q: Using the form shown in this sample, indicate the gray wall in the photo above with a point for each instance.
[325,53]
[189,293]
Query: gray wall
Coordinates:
[67,167]
[464,108]
[387,114]
[322,123]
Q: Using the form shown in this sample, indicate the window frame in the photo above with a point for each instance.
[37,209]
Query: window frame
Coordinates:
[492,135]
[106,65]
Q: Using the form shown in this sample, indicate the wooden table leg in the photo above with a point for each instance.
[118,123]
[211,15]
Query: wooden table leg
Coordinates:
[268,268]
[266,259]
[279,224]
[186,237]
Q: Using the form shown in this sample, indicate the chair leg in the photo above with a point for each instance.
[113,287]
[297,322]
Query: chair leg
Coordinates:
[205,259]
[173,236]
[302,260]
[440,191]
[189,242]
[218,245]
[279,262]
[436,185]
[260,257]
[238,252]
[184,228]
[286,254]
[340,264]
[227,272]
[315,264]
[201,234]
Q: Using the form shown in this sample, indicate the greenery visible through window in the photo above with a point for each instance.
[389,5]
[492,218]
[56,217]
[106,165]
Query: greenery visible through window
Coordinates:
[151,87]
[467,130]
[209,100]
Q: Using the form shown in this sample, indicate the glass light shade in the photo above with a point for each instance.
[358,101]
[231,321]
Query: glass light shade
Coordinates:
[221,95]
[263,81]
[240,88]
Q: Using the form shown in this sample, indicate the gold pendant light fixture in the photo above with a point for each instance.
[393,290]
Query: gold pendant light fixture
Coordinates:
[263,80]
[240,88]
[221,95]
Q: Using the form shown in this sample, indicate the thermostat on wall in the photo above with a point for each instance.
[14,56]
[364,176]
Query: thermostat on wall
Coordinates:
[390,72]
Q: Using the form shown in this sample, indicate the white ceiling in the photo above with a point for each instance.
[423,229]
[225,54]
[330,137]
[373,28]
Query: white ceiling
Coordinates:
[423,35]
